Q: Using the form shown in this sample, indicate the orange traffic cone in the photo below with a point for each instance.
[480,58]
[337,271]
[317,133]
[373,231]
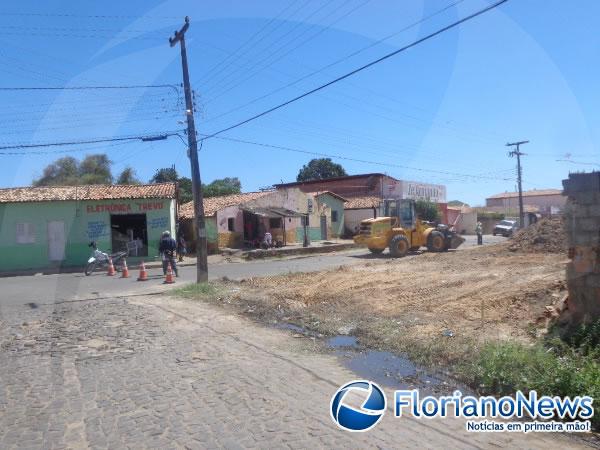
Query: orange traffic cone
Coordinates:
[169,277]
[143,273]
[124,269]
[111,268]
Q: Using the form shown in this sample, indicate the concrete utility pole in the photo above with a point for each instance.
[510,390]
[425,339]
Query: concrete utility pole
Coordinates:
[201,250]
[518,154]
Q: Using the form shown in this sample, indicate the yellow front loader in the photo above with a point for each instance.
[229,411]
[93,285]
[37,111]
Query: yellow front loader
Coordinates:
[402,231]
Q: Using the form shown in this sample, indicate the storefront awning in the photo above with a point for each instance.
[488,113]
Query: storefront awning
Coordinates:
[272,212]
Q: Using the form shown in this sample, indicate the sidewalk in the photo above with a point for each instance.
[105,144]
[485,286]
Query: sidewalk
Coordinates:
[298,249]
[229,254]
[225,255]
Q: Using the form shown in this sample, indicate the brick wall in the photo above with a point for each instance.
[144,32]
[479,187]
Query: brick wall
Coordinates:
[230,240]
[582,222]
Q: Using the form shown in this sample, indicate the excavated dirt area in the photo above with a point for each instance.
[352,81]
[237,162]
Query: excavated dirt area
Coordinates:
[436,307]
[545,236]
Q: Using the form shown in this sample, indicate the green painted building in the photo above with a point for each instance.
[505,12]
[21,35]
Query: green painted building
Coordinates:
[52,227]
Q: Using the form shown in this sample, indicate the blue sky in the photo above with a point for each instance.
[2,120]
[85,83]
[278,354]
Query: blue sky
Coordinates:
[436,113]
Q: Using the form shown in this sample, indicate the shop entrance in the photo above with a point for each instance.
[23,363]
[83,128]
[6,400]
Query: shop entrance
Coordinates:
[129,233]
[251,225]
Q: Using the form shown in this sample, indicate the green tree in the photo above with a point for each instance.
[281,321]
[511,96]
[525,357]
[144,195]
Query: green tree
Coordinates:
[62,172]
[67,171]
[95,169]
[185,190]
[127,176]
[164,175]
[457,203]
[224,186]
[320,169]
[427,210]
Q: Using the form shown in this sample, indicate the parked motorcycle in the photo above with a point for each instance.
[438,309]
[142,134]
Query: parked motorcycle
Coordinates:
[100,259]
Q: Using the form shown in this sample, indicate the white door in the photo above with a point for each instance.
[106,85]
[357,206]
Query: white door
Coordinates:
[56,241]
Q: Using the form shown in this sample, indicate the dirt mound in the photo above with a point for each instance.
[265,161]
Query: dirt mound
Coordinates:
[545,236]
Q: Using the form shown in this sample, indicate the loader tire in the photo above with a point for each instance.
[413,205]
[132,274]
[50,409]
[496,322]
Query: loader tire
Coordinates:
[376,251]
[399,246]
[436,242]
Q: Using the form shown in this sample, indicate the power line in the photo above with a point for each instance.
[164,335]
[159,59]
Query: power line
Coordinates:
[53,152]
[309,152]
[235,83]
[261,39]
[91,141]
[336,62]
[250,39]
[82,16]
[79,88]
[578,162]
[355,71]
[85,36]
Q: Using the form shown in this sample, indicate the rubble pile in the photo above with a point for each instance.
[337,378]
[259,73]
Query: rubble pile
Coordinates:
[546,236]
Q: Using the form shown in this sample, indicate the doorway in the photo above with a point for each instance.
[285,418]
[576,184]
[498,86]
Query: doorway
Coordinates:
[324,228]
[129,233]
[56,240]
[251,226]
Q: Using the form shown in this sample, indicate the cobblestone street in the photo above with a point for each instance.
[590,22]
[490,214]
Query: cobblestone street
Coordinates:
[153,372]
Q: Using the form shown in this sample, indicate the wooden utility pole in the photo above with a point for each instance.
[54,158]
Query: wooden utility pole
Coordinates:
[201,249]
[518,154]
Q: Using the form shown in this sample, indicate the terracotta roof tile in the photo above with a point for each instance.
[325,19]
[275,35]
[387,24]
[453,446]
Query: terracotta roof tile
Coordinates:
[214,204]
[362,202]
[333,194]
[532,193]
[89,192]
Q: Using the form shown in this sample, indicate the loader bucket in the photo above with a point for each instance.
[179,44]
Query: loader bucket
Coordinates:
[456,241]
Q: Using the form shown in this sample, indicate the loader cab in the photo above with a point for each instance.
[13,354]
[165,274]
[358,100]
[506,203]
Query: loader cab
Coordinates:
[403,210]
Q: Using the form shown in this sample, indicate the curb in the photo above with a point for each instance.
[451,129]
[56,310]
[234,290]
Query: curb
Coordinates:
[259,254]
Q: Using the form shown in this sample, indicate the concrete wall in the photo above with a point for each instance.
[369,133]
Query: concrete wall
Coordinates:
[84,221]
[464,221]
[582,222]
[353,217]
[377,185]
[543,202]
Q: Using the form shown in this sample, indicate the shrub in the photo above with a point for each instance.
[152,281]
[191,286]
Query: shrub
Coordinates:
[195,290]
[427,210]
[503,368]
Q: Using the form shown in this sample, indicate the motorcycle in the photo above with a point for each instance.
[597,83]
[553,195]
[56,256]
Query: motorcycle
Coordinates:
[100,259]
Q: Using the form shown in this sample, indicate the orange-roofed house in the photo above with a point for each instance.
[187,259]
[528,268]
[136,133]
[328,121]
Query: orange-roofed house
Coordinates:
[52,227]
[543,201]
[241,220]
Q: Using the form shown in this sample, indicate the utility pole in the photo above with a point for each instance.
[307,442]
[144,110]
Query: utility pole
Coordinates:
[518,154]
[201,250]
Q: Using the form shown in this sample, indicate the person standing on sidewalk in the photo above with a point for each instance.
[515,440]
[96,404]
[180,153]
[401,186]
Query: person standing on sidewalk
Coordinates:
[167,248]
[181,247]
[479,231]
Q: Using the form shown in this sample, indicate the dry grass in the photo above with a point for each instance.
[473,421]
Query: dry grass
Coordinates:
[407,304]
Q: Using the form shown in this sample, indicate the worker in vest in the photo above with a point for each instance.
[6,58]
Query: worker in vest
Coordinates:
[479,231]
[167,248]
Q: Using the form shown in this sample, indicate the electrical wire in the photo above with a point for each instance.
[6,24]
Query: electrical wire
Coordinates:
[247,41]
[90,141]
[79,88]
[82,16]
[291,149]
[262,38]
[230,86]
[361,68]
[338,61]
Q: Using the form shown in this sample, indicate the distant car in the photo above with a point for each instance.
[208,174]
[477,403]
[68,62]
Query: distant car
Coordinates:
[505,228]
